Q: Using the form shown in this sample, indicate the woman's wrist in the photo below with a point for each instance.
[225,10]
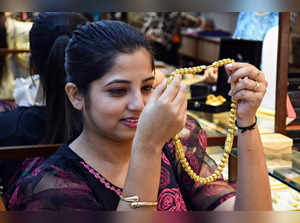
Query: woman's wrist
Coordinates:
[147,142]
[246,121]
[144,146]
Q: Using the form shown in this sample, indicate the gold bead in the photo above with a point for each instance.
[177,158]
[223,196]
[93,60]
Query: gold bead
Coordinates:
[231,131]
[224,160]
[226,155]
[220,169]
[214,176]
[181,156]
[218,173]
[185,165]
[201,181]
[227,149]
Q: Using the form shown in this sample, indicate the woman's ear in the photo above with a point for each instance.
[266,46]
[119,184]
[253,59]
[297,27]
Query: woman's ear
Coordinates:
[75,98]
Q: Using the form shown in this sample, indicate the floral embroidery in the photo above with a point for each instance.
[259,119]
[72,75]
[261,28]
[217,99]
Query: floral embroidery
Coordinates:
[165,159]
[202,139]
[171,146]
[190,125]
[101,179]
[164,177]
[14,200]
[170,199]
[36,172]
[193,161]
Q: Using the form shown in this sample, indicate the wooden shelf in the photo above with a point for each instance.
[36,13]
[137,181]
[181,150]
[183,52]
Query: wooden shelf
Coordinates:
[12,51]
[293,127]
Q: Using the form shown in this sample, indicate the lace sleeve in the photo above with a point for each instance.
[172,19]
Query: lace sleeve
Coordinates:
[52,189]
[200,197]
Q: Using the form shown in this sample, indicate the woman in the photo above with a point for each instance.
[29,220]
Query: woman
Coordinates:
[124,148]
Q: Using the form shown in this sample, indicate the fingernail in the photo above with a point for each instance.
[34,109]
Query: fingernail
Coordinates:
[178,77]
[230,93]
[229,80]
[228,66]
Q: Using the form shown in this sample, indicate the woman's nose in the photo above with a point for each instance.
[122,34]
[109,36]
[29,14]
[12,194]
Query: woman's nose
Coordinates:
[137,102]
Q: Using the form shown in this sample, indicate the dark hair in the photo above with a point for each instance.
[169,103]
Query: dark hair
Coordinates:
[54,89]
[3,44]
[91,54]
[48,38]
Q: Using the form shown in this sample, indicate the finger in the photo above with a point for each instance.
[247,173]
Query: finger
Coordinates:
[246,84]
[183,107]
[251,72]
[181,97]
[182,113]
[246,95]
[247,70]
[235,66]
[172,90]
[158,91]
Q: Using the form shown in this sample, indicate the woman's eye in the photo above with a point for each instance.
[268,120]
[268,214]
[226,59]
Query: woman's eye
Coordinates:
[147,88]
[117,92]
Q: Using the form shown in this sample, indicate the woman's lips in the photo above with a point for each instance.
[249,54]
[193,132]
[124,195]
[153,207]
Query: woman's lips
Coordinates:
[130,122]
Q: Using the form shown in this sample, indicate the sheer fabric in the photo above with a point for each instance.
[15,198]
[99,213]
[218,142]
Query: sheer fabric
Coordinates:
[66,182]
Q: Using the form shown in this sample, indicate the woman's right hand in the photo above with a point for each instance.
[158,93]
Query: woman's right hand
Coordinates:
[164,114]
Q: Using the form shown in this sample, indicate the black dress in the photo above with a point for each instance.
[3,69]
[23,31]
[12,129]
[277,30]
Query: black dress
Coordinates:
[67,182]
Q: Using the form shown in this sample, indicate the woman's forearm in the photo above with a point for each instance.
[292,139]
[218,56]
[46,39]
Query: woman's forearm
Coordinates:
[143,176]
[253,190]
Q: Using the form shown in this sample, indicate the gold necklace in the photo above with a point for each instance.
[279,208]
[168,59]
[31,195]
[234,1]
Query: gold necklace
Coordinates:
[229,137]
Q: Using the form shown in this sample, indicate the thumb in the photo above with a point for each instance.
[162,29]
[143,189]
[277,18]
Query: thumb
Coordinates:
[229,68]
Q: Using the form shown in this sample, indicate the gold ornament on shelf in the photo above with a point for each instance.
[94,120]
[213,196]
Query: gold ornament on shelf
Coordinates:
[214,101]
[229,137]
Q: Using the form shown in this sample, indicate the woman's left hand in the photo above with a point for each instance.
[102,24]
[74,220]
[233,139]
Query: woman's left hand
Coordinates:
[249,90]
[210,75]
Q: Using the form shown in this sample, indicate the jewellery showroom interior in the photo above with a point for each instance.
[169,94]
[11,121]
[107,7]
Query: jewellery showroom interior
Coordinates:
[270,41]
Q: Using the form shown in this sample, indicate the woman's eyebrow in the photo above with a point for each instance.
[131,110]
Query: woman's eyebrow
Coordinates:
[126,81]
[148,79]
[117,81]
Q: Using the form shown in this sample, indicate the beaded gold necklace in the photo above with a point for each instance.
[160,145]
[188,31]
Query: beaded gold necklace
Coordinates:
[229,136]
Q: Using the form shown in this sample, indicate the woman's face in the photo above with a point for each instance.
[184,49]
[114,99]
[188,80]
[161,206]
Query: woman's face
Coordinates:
[117,99]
